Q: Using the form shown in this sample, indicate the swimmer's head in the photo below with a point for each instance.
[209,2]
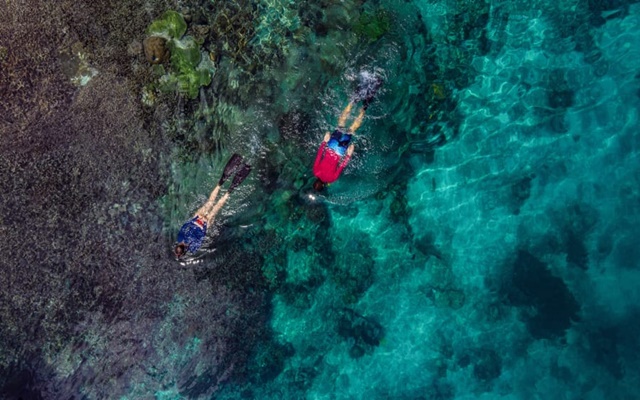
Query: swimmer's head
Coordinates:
[319,186]
[180,249]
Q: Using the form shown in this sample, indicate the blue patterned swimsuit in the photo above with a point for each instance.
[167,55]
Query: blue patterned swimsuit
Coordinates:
[192,233]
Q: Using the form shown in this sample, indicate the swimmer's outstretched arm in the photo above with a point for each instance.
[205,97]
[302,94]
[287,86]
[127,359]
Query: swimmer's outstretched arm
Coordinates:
[320,155]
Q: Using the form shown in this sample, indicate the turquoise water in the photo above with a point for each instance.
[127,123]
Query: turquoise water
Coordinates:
[482,243]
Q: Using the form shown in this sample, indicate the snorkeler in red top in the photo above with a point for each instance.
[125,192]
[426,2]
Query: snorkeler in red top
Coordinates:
[335,152]
[336,148]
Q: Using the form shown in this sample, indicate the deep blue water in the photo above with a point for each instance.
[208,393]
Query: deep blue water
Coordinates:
[482,243]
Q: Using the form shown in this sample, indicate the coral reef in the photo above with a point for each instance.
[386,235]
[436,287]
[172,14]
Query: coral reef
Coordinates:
[32,83]
[75,267]
[232,28]
[91,279]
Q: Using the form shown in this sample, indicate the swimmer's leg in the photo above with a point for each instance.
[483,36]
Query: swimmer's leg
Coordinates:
[213,211]
[357,122]
[202,211]
[241,175]
[345,114]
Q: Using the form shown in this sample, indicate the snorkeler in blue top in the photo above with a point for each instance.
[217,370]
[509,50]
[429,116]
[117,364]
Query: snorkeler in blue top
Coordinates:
[193,231]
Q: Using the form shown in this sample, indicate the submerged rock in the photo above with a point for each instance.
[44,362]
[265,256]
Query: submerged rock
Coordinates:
[486,363]
[534,287]
[156,50]
[364,331]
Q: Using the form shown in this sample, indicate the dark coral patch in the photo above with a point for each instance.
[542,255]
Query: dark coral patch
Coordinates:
[548,304]
[486,363]
[268,360]
[520,192]
[576,251]
[365,332]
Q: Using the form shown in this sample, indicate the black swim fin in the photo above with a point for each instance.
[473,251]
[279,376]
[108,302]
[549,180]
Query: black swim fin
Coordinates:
[232,166]
[371,94]
[368,86]
[240,177]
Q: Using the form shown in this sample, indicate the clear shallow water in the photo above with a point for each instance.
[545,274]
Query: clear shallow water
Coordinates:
[482,244]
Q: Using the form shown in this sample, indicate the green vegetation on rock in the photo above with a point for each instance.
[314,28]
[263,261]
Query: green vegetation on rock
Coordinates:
[188,70]
[170,26]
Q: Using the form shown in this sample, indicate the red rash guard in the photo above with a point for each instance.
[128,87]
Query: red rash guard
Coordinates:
[328,167]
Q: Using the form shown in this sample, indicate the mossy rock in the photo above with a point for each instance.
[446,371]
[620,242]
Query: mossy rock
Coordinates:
[187,82]
[170,26]
[155,49]
[187,73]
[185,54]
